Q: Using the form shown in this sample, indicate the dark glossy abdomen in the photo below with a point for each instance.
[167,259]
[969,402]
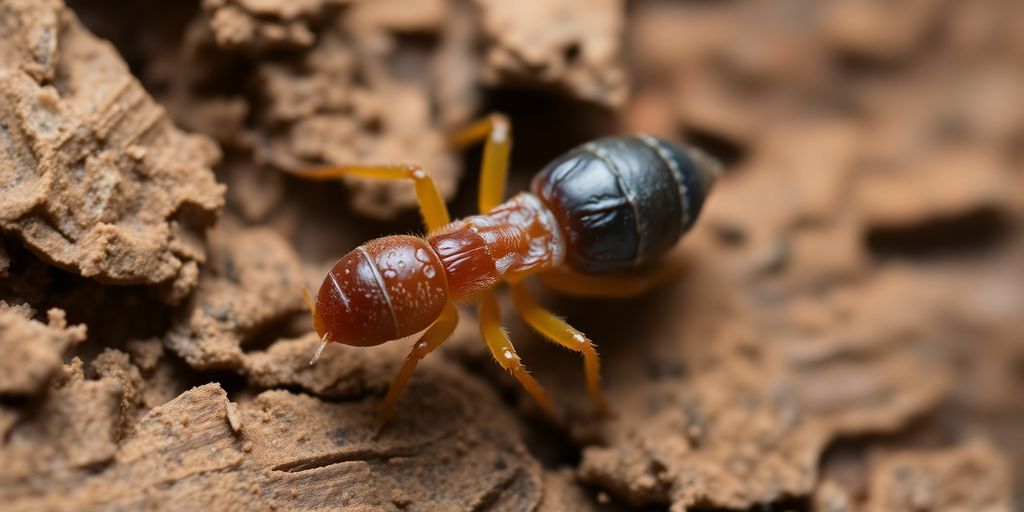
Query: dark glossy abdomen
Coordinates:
[623,201]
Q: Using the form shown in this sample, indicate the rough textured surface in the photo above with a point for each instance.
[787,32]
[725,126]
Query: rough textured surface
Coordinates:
[562,492]
[32,350]
[743,421]
[341,371]
[252,279]
[970,477]
[372,82]
[847,336]
[558,44]
[287,451]
[74,429]
[96,178]
[260,25]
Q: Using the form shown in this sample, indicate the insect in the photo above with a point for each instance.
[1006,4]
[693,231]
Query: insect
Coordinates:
[593,224]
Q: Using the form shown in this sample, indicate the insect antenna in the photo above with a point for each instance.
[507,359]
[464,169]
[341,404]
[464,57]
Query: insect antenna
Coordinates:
[319,350]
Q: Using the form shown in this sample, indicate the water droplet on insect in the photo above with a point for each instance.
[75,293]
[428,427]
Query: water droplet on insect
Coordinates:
[508,354]
[429,271]
[422,256]
[390,274]
[401,264]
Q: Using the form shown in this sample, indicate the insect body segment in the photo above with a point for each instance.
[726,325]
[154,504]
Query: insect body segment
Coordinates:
[624,201]
[517,238]
[612,205]
[386,289]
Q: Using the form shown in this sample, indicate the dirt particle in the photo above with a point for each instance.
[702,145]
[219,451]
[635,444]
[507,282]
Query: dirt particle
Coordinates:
[233,416]
[33,351]
[400,499]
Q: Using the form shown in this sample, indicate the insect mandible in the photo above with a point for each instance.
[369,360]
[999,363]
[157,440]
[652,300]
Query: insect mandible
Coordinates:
[594,223]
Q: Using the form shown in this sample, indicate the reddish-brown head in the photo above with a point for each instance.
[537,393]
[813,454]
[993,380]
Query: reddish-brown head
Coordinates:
[386,289]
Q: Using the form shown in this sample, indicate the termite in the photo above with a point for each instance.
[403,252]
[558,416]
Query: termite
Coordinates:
[594,223]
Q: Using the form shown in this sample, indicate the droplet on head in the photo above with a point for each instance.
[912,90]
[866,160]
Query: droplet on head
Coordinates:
[429,271]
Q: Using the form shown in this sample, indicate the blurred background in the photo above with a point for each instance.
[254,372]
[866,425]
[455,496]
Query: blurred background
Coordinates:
[848,335]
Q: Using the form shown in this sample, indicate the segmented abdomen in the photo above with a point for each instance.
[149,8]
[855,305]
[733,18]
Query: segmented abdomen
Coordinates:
[623,201]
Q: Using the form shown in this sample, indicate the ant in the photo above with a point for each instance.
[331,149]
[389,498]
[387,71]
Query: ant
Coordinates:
[604,208]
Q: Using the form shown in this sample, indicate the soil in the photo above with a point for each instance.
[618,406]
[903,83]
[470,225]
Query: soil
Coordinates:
[846,336]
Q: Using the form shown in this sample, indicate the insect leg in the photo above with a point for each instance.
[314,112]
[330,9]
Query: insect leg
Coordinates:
[560,332]
[311,304]
[432,207]
[497,131]
[431,339]
[614,286]
[505,354]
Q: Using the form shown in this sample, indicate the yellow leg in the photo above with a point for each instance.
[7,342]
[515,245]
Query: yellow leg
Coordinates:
[497,130]
[435,213]
[613,286]
[560,332]
[431,339]
[505,354]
